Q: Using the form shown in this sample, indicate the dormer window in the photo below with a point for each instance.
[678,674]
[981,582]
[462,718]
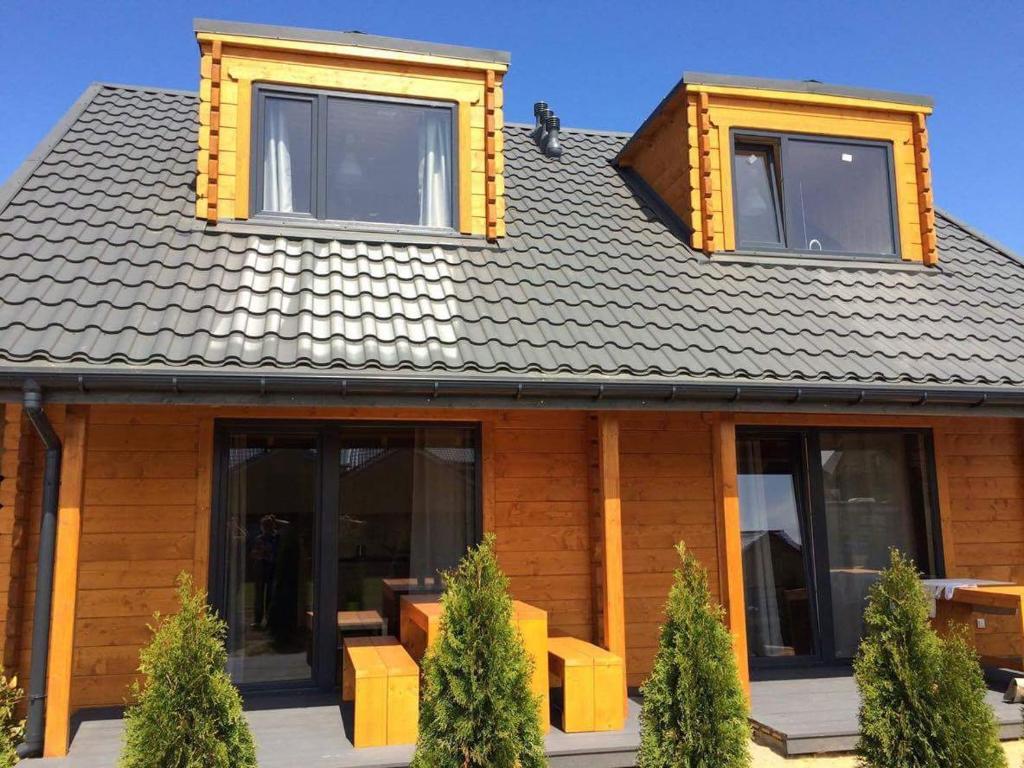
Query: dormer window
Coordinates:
[359,159]
[809,194]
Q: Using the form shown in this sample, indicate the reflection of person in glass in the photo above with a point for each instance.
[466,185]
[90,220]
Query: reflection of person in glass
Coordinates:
[264,559]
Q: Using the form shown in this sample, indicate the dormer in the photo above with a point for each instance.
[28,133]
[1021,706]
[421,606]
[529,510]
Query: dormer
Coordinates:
[802,170]
[347,131]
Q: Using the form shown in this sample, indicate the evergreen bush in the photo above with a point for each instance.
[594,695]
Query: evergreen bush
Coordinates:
[11,728]
[922,696]
[477,710]
[188,714]
[694,711]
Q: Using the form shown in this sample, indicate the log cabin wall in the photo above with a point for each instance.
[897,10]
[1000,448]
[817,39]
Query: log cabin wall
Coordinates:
[667,496]
[146,477]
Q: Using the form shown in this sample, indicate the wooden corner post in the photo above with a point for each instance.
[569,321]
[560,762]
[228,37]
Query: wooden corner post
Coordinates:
[730,547]
[65,582]
[608,530]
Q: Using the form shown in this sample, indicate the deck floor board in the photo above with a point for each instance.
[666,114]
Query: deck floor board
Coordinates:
[799,716]
[313,731]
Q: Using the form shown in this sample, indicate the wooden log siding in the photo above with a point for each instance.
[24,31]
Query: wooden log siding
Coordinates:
[16,454]
[142,492]
[667,496]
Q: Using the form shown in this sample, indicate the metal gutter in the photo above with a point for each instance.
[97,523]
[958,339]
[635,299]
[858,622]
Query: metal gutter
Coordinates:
[32,746]
[182,386]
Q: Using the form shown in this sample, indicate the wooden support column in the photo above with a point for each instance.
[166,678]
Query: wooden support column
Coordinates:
[487,476]
[607,533]
[65,582]
[204,504]
[730,547]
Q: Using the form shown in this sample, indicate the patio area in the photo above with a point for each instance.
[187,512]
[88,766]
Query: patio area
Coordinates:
[314,731]
[817,713]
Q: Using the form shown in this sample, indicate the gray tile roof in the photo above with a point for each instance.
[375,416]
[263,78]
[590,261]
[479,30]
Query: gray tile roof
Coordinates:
[102,264]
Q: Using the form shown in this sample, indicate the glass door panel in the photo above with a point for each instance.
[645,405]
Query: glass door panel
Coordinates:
[875,498]
[407,509]
[271,486]
[775,556]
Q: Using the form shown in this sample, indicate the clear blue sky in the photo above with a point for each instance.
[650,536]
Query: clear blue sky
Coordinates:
[600,64]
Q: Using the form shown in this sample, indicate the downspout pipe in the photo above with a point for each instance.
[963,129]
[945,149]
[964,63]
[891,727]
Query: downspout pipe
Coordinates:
[32,746]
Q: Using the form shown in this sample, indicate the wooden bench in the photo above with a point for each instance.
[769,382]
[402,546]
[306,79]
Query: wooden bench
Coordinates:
[421,626]
[593,684]
[384,682]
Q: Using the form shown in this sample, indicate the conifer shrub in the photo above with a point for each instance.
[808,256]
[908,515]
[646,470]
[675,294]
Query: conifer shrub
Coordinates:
[694,709]
[188,714]
[11,728]
[477,710]
[922,696]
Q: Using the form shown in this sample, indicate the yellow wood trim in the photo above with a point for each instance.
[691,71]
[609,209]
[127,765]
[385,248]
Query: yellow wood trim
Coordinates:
[352,52]
[213,127]
[730,545]
[704,158]
[465,169]
[487,475]
[65,582]
[490,155]
[809,98]
[204,503]
[925,203]
[243,150]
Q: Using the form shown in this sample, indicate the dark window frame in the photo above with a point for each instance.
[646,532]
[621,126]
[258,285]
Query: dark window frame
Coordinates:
[318,194]
[818,557]
[324,672]
[779,142]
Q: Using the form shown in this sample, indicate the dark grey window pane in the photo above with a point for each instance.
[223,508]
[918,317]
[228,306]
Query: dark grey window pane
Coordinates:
[757,204]
[388,163]
[287,155]
[839,197]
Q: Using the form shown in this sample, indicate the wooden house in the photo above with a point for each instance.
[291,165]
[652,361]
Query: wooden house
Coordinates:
[315,328]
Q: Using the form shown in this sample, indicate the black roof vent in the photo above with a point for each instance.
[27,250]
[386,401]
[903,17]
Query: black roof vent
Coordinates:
[545,130]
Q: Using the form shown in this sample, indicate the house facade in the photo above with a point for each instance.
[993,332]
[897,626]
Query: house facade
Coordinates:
[311,331]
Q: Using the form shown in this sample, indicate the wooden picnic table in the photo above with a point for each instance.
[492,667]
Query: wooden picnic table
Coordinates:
[994,616]
[420,625]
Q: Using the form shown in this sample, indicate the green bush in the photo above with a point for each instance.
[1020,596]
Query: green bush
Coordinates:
[922,696]
[694,709]
[188,714]
[477,710]
[11,729]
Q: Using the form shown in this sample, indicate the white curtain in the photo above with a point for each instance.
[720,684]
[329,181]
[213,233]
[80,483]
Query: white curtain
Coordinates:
[759,568]
[435,169]
[442,492]
[277,161]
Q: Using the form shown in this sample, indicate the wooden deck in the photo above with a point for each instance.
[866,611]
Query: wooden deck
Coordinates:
[313,731]
[812,715]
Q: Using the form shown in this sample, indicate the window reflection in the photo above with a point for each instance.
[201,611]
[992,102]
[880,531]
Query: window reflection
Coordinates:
[271,508]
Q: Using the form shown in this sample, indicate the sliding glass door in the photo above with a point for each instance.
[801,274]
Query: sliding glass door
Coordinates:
[874,496]
[271,495]
[820,510]
[775,541]
[320,528]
